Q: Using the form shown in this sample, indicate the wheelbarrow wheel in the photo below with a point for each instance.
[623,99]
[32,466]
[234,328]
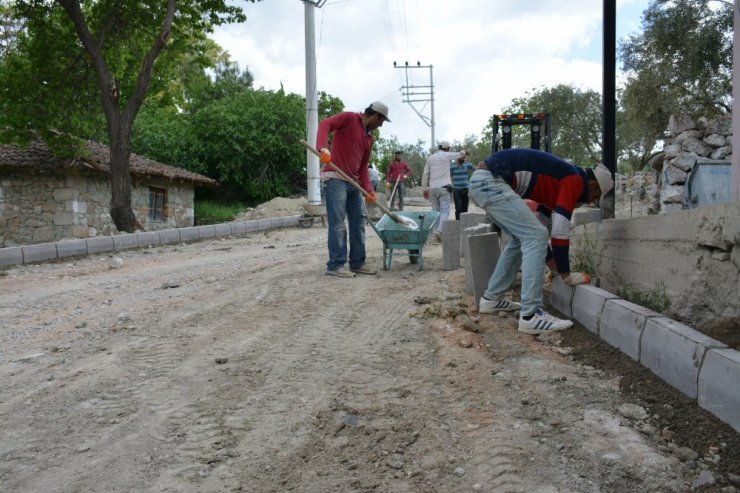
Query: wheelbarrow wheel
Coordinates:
[306,220]
[414,256]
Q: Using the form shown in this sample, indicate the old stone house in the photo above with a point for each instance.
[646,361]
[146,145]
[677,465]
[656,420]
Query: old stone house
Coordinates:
[44,198]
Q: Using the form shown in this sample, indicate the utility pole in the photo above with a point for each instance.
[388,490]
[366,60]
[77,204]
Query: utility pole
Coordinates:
[609,149]
[312,103]
[426,94]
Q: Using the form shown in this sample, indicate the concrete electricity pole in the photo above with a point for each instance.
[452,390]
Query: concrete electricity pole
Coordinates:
[427,94]
[312,103]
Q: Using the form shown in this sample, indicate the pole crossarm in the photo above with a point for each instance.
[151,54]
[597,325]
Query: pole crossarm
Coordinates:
[424,96]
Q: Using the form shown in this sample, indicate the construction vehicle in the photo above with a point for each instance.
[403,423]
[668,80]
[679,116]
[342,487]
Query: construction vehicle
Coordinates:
[539,130]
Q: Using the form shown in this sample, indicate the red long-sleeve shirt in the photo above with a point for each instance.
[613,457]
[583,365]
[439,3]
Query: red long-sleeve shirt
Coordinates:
[350,146]
[398,169]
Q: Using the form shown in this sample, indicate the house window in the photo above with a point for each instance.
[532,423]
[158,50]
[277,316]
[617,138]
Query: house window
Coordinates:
[157,204]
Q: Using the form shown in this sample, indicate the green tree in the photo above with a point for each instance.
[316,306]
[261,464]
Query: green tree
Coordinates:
[414,154]
[681,62]
[575,121]
[246,139]
[79,55]
[10,27]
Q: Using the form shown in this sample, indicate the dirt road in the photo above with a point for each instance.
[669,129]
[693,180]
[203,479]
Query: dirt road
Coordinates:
[236,365]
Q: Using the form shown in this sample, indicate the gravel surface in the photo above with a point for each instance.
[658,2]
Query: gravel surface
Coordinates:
[236,365]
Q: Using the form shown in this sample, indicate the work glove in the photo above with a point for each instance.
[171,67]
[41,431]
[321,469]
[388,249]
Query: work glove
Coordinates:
[370,199]
[325,156]
[576,278]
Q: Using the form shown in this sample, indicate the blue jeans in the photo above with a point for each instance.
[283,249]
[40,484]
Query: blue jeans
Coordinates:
[528,245]
[398,197]
[344,201]
[440,199]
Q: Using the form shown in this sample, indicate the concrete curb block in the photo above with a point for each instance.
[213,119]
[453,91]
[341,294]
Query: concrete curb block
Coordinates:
[99,244]
[41,252]
[169,236]
[189,234]
[208,231]
[148,238]
[70,248]
[719,385]
[700,367]
[125,241]
[238,228]
[674,352]
[11,256]
[621,325]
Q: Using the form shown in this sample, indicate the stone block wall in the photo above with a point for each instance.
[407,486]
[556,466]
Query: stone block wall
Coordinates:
[65,204]
[692,255]
[690,140]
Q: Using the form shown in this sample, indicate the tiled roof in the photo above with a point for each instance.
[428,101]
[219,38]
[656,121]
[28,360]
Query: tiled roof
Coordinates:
[38,156]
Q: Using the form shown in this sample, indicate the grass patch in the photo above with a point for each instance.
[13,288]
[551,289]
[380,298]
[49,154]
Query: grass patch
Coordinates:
[210,212]
[655,299]
[583,256]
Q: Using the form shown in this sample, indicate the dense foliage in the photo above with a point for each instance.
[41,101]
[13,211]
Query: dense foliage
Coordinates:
[681,62]
[83,68]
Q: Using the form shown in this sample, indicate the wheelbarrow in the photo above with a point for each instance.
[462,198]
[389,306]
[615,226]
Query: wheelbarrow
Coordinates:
[311,212]
[397,237]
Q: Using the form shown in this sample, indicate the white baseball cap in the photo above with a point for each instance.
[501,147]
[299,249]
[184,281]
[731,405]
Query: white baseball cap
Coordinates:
[444,144]
[381,108]
[604,178]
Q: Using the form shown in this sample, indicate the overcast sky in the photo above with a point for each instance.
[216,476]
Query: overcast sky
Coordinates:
[484,53]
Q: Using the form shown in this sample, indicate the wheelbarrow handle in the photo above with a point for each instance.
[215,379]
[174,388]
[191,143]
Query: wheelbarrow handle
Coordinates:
[346,177]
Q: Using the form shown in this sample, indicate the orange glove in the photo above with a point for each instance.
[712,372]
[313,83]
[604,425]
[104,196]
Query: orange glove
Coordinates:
[325,156]
[425,193]
[576,278]
[370,199]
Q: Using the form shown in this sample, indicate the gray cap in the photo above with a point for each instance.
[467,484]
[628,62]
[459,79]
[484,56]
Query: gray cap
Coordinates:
[381,108]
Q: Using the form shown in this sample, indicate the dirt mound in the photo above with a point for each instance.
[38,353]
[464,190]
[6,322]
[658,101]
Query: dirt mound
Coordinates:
[277,207]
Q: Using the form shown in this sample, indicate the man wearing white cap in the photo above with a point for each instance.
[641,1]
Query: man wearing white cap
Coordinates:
[350,152]
[499,186]
[436,182]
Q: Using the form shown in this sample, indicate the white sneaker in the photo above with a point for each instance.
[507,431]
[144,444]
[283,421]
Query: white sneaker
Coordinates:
[541,323]
[495,306]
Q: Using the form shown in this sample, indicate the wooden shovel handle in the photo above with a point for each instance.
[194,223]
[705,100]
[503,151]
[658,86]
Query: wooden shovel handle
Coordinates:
[345,177]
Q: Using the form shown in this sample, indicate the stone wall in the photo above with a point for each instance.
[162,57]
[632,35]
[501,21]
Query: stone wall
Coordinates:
[693,254]
[72,203]
[690,140]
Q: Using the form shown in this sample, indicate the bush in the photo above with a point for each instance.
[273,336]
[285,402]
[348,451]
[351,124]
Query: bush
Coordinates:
[209,212]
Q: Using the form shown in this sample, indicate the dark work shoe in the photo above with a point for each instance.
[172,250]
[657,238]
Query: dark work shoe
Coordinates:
[364,269]
[340,272]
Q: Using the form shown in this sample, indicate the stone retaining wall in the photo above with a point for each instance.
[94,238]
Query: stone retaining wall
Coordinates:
[690,140]
[63,204]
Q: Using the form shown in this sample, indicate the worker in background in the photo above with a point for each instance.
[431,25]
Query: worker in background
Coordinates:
[398,171]
[499,186]
[373,211]
[435,181]
[372,173]
[350,152]
[460,171]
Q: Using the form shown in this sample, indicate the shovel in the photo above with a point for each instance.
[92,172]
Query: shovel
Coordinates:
[403,221]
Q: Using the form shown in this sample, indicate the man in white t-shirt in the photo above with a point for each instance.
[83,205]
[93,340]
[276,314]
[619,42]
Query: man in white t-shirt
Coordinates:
[436,182]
